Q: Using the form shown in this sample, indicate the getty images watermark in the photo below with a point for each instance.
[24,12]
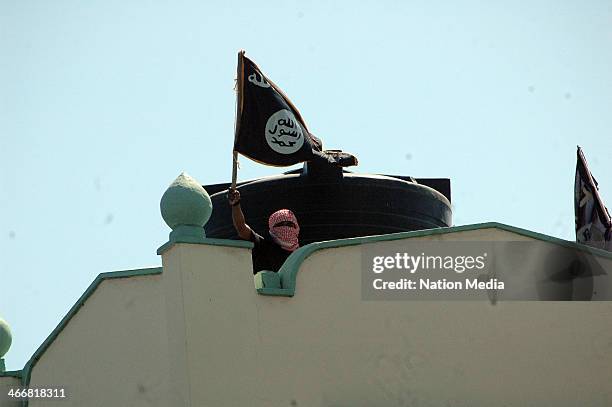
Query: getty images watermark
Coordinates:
[451,270]
[422,262]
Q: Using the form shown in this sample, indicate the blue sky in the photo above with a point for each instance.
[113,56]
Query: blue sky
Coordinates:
[104,103]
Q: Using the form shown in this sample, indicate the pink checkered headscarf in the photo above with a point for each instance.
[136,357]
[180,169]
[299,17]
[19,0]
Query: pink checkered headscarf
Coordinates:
[285,236]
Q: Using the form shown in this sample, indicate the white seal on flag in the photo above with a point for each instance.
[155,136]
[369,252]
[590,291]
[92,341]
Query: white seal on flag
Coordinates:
[284,133]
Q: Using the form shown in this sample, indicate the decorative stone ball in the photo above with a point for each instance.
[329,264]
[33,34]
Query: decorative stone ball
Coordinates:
[185,202]
[5,337]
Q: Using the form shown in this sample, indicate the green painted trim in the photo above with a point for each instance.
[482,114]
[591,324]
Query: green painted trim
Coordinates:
[550,239]
[26,372]
[288,271]
[11,373]
[185,202]
[258,279]
[206,241]
[187,232]
[6,338]
[276,292]
[268,279]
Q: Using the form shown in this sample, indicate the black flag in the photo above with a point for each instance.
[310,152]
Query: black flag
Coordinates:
[269,128]
[593,221]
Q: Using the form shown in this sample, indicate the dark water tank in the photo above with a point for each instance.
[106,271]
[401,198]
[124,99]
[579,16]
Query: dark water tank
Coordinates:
[330,203]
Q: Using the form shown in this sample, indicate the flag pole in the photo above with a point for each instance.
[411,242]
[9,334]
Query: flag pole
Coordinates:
[239,85]
[234,169]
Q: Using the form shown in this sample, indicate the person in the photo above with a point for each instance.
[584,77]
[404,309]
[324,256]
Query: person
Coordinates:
[273,247]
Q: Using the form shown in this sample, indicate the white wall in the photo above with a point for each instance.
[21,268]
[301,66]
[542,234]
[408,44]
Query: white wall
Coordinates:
[200,335]
[114,350]
[6,383]
[327,347]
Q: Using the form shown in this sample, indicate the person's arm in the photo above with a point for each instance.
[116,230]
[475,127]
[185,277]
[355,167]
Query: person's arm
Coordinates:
[243,230]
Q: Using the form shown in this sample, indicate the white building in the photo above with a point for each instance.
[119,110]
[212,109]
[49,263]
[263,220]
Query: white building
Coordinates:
[198,332]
